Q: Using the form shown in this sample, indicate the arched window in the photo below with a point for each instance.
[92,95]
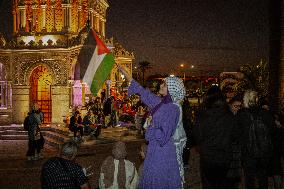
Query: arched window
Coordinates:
[3,87]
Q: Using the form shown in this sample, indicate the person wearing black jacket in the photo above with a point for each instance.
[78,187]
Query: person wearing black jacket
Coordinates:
[213,133]
[76,124]
[255,128]
[63,171]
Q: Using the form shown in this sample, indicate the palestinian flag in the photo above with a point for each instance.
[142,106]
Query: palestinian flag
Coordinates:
[99,67]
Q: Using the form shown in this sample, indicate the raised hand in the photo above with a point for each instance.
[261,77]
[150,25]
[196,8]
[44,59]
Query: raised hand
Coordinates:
[125,73]
[87,171]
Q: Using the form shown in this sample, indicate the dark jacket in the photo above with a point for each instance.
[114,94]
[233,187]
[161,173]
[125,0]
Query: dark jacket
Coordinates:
[214,133]
[243,123]
[107,108]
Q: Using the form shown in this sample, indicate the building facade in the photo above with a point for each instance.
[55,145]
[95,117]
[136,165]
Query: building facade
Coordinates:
[38,65]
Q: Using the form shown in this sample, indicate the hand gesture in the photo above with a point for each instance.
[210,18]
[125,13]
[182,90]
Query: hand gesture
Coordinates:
[124,72]
[87,171]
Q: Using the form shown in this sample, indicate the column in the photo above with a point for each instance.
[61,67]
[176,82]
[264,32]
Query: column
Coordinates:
[91,18]
[79,17]
[18,20]
[23,18]
[69,17]
[34,18]
[95,21]
[103,28]
[14,21]
[64,7]
[2,95]
[98,23]
[9,105]
[43,8]
[77,93]
[53,18]
[60,103]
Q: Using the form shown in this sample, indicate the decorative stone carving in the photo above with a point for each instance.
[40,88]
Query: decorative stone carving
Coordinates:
[120,51]
[26,64]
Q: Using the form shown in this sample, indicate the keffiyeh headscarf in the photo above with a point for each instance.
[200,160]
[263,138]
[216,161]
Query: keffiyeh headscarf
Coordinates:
[177,92]
[175,88]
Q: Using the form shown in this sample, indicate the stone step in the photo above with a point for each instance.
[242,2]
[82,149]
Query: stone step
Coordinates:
[14,137]
[14,132]
[56,136]
[11,127]
[61,130]
[52,143]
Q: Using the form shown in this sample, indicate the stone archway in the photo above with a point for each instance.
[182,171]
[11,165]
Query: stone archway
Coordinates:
[40,91]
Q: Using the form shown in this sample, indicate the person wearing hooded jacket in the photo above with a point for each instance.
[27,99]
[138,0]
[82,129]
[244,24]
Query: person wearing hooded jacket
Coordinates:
[213,133]
[163,165]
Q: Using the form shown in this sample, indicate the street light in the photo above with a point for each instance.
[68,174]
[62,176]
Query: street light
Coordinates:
[182,66]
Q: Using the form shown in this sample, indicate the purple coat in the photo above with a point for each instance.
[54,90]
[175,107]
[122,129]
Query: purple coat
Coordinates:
[161,169]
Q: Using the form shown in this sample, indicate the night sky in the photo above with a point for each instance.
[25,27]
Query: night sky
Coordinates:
[212,35]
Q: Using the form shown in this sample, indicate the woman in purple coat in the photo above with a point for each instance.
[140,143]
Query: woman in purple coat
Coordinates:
[161,167]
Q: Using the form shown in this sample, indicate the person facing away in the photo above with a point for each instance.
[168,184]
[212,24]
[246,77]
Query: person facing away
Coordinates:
[213,133]
[161,165]
[76,124]
[234,173]
[63,171]
[118,172]
[34,135]
[275,168]
[255,127]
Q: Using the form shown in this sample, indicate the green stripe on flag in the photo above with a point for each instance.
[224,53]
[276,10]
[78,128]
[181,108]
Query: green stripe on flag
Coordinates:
[102,73]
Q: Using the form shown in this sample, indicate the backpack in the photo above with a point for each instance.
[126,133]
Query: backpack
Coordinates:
[259,141]
[26,123]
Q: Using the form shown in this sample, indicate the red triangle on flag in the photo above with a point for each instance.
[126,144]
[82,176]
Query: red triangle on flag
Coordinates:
[102,48]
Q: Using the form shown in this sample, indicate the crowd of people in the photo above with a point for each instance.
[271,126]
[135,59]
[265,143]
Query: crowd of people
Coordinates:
[102,112]
[240,141]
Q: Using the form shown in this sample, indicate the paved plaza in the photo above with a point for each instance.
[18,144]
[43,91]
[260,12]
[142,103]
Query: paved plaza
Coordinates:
[17,173]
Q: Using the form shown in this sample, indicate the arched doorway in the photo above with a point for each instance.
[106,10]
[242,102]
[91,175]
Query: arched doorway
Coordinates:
[40,93]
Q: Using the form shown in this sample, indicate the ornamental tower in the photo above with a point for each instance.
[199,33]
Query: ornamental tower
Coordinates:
[38,61]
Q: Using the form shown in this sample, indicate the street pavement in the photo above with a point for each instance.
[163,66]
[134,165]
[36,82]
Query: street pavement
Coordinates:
[17,173]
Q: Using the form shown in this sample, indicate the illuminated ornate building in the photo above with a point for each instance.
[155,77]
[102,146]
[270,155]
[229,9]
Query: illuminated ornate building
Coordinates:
[38,65]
